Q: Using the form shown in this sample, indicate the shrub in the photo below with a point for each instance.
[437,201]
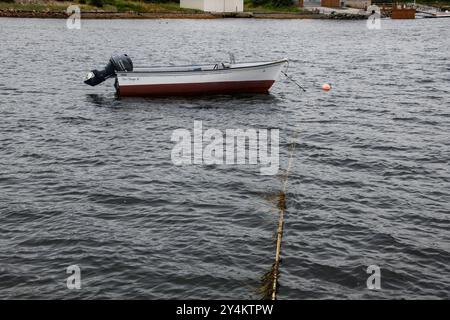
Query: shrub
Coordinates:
[97,3]
[282,3]
[260,2]
[273,3]
[160,1]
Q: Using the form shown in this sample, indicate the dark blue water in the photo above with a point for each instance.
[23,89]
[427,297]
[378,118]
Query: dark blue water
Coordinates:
[86,179]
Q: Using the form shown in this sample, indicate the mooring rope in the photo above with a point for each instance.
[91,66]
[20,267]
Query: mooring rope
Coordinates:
[282,201]
[270,279]
[290,78]
[282,210]
[293,80]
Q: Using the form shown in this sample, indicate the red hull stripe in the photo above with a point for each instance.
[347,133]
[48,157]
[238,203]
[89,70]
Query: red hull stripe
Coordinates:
[261,86]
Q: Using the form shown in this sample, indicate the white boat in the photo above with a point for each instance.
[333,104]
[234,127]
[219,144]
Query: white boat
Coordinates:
[221,78]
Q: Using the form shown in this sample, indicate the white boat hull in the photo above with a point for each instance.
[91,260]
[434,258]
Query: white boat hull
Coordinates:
[257,77]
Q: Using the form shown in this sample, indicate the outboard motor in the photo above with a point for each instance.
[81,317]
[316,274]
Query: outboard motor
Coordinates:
[116,63]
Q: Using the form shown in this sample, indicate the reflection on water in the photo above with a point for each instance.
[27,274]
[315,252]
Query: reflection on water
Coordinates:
[99,100]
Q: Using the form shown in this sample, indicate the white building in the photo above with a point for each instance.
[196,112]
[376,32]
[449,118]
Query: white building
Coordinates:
[214,5]
[360,4]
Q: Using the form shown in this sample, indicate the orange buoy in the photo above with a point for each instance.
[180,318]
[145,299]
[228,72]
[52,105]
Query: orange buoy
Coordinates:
[326,87]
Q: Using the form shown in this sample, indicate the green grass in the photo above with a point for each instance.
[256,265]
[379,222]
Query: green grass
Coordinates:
[266,8]
[143,7]
[108,5]
[136,6]
[50,6]
[435,3]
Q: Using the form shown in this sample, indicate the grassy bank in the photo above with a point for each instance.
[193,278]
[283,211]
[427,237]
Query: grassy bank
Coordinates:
[127,6]
[434,3]
[441,4]
[269,8]
[107,5]
[431,3]
[124,9]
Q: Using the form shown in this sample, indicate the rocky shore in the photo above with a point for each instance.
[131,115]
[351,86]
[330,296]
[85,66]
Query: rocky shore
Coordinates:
[14,13]
[346,16]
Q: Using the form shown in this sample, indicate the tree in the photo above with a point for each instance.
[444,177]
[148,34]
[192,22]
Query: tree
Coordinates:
[97,3]
[273,3]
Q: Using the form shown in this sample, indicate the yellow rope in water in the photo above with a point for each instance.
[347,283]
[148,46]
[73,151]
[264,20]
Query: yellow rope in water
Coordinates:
[282,209]
[282,201]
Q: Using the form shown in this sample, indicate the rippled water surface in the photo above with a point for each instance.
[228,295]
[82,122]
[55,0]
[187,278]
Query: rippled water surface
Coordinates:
[87,179]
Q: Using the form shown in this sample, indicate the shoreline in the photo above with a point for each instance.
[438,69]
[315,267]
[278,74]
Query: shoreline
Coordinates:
[13,13]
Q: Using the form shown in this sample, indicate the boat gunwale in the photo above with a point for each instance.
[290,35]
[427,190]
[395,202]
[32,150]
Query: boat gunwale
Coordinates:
[262,64]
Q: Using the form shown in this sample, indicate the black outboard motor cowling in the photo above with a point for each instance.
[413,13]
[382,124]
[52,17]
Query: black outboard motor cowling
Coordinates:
[116,63]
